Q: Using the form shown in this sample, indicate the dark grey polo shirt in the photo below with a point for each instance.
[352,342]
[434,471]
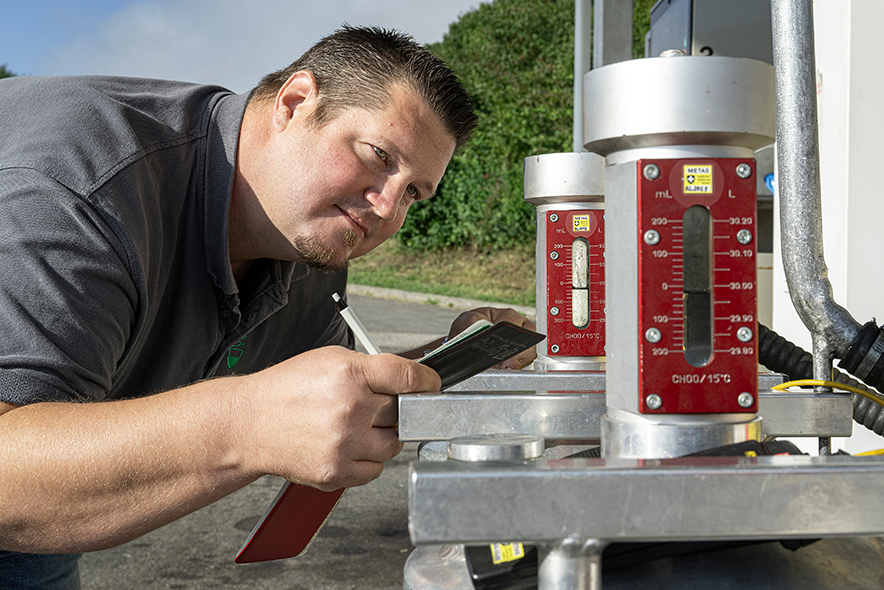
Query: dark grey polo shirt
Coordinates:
[115,279]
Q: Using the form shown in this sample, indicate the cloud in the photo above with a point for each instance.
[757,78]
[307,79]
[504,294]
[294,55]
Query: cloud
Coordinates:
[234,43]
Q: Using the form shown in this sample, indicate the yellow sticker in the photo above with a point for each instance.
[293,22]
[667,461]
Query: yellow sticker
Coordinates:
[698,180]
[581,223]
[504,552]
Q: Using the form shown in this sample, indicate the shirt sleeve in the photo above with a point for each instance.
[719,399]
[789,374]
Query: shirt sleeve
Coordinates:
[67,300]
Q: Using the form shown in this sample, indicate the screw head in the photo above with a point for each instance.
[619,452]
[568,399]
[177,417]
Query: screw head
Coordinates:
[744,236]
[554,217]
[744,334]
[554,310]
[745,400]
[554,348]
[654,401]
[652,237]
[744,170]
[651,172]
[554,255]
[653,335]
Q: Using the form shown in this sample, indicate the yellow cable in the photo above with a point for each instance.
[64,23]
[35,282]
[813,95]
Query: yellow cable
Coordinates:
[869,453]
[833,385]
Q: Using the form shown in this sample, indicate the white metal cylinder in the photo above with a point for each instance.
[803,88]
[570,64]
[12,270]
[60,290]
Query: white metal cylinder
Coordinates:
[685,101]
[561,182]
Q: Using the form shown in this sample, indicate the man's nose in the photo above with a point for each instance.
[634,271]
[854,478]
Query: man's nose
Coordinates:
[387,199]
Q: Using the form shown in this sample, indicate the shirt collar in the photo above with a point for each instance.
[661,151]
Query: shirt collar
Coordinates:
[223,138]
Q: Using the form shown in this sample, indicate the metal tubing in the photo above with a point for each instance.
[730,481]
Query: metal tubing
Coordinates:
[798,176]
[582,63]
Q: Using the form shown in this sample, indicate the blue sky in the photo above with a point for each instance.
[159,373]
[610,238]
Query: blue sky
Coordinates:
[227,42]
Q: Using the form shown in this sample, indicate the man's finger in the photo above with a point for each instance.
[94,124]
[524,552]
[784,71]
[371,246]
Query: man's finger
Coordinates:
[391,374]
[380,445]
[388,413]
[520,360]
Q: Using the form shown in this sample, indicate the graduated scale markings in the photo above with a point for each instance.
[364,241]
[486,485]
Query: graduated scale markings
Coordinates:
[669,252]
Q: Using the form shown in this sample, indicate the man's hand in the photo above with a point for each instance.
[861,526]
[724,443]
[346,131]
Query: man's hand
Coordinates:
[327,418]
[496,315]
[82,477]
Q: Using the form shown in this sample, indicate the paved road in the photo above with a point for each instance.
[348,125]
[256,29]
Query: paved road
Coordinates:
[363,545]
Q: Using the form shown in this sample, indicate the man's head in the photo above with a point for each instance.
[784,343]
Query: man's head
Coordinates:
[335,148]
[357,67]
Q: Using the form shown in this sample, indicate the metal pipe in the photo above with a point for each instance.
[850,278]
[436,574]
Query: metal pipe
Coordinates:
[582,63]
[798,175]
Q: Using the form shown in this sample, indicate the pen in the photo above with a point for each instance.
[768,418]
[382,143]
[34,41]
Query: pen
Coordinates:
[355,325]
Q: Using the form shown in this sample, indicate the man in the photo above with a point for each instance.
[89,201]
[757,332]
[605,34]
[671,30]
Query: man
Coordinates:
[174,248]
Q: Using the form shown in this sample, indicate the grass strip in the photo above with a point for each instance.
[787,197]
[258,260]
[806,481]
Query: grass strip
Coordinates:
[506,276]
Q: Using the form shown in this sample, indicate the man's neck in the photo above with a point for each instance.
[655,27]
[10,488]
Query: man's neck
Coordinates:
[241,271]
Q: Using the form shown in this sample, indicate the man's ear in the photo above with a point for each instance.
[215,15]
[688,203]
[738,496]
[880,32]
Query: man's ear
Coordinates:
[295,99]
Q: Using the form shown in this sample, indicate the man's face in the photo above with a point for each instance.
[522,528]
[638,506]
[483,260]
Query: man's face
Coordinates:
[338,191]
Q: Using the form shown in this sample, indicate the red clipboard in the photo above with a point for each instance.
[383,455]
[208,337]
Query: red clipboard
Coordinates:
[290,523]
[294,518]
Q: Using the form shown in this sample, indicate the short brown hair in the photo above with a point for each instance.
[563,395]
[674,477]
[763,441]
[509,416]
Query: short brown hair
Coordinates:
[355,67]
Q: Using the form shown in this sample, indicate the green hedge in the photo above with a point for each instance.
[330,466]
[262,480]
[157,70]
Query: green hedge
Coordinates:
[516,59]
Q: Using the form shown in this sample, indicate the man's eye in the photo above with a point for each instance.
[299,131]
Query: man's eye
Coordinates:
[380,153]
[412,192]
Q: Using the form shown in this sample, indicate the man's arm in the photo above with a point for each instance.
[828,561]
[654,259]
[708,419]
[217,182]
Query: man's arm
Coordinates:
[494,315]
[79,477]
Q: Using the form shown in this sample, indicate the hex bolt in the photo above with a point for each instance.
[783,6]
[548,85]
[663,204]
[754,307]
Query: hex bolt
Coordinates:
[553,217]
[744,170]
[744,334]
[745,400]
[653,335]
[651,172]
[554,255]
[554,310]
[654,401]
[744,236]
[554,348]
[652,237]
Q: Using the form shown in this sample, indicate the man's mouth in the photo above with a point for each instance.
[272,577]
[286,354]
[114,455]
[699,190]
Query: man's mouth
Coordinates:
[355,221]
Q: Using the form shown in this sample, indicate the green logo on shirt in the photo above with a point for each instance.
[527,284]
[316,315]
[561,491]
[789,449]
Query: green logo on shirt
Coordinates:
[235,352]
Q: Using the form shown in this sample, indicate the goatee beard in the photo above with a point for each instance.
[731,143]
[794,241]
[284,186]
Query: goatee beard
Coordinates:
[318,255]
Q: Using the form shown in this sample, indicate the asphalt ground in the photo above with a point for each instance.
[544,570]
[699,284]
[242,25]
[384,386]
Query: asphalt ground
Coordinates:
[365,542]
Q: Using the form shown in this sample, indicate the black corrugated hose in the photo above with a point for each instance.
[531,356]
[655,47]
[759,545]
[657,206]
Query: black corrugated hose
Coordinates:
[864,355]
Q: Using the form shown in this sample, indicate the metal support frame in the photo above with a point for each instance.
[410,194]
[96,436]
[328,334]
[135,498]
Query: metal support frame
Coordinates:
[569,405]
[546,381]
[700,498]
[572,507]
